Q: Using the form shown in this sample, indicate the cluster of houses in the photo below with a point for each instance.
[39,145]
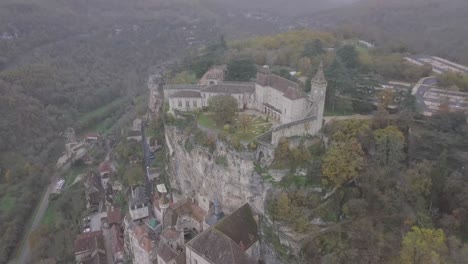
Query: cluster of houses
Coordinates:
[165,230]
[160,228]
[101,240]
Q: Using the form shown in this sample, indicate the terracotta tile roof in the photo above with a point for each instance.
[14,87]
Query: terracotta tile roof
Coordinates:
[186,94]
[166,252]
[90,242]
[289,88]
[181,259]
[117,239]
[171,234]
[105,167]
[142,235]
[114,215]
[183,207]
[92,135]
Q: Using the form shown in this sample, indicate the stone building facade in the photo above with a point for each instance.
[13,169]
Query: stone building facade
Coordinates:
[297,112]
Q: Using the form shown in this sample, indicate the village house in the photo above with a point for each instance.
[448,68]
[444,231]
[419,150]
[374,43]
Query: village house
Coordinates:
[233,240]
[105,171]
[139,204]
[185,216]
[143,242]
[93,190]
[89,248]
[117,240]
[167,255]
[92,136]
[114,216]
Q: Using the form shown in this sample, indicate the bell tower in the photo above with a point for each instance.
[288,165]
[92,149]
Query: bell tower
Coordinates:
[317,93]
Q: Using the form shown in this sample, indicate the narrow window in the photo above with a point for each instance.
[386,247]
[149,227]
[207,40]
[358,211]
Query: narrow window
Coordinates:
[187,104]
[180,103]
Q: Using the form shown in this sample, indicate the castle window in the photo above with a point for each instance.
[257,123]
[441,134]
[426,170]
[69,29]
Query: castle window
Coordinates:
[180,103]
[187,104]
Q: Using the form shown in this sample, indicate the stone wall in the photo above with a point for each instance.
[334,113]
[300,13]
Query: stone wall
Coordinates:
[195,172]
[299,128]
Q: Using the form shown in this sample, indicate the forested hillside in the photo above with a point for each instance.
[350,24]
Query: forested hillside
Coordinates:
[426,26]
[65,64]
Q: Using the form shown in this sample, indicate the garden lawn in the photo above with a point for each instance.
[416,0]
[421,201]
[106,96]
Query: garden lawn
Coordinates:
[72,173]
[6,203]
[49,216]
[258,126]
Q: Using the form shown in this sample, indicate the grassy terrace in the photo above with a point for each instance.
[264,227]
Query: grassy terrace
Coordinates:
[257,127]
[102,119]
[7,203]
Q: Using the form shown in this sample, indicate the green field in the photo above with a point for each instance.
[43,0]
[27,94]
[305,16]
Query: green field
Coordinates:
[7,203]
[72,173]
[259,126]
[100,118]
[49,216]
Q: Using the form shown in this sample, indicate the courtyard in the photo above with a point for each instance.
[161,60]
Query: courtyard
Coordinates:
[245,131]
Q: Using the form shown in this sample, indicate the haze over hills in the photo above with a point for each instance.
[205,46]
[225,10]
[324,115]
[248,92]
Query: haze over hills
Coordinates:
[426,26]
[283,7]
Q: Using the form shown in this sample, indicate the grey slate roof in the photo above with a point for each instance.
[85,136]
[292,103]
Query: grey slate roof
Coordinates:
[139,196]
[183,87]
[227,241]
[166,252]
[186,94]
[230,88]
[319,77]
[218,248]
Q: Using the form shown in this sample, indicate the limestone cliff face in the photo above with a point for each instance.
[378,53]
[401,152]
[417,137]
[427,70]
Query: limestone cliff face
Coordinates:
[225,173]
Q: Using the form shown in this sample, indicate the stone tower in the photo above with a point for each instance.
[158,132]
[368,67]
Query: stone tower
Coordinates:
[317,93]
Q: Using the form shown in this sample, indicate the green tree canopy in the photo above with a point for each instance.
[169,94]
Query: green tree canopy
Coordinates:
[241,70]
[313,48]
[350,129]
[134,174]
[349,56]
[343,162]
[224,107]
[422,246]
[389,145]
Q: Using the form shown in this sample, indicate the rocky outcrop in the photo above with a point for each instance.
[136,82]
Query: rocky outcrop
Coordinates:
[224,173]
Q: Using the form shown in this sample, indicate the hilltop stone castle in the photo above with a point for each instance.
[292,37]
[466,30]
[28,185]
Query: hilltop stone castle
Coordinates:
[296,112]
